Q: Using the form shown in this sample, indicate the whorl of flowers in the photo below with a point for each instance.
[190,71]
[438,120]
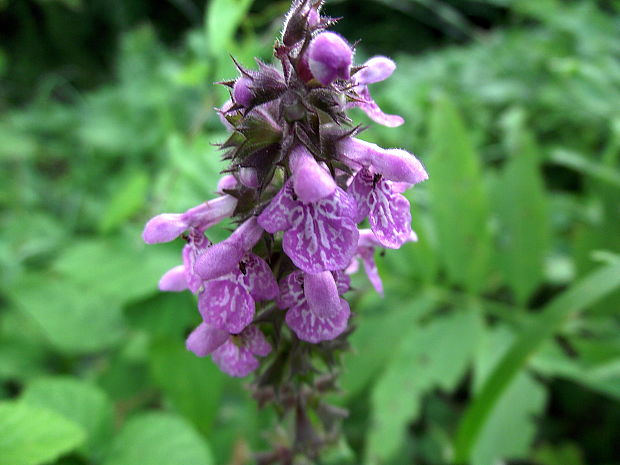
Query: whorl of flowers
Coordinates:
[299,183]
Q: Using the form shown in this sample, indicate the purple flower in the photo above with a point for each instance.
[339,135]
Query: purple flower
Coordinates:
[316,312]
[184,276]
[168,226]
[233,354]
[366,253]
[225,256]
[329,58]
[376,69]
[394,164]
[311,182]
[318,236]
[388,212]
[228,302]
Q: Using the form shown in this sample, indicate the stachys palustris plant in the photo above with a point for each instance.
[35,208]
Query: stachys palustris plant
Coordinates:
[299,182]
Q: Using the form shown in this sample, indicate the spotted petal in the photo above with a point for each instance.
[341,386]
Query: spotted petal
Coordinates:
[235,360]
[259,278]
[312,328]
[226,304]
[255,341]
[276,217]
[390,216]
[291,290]
[360,190]
[317,242]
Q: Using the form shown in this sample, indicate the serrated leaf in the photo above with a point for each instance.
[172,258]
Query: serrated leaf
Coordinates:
[523,214]
[459,199]
[79,401]
[128,199]
[435,355]
[73,320]
[158,439]
[34,435]
[193,385]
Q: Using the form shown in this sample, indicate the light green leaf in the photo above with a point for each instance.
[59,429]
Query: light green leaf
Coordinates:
[381,322]
[73,319]
[515,410]
[459,202]
[128,199]
[223,19]
[435,355]
[523,213]
[79,401]
[158,439]
[193,385]
[33,435]
[118,269]
[579,297]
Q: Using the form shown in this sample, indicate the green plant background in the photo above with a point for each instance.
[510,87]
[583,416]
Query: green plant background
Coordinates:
[498,340]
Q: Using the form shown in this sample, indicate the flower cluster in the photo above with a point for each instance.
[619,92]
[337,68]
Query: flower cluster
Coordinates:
[299,184]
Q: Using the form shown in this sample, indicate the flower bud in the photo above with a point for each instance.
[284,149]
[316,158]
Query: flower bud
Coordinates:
[329,58]
[249,177]
[242,91]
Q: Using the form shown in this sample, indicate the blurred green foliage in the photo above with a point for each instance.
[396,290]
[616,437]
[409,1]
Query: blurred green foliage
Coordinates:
[499,334]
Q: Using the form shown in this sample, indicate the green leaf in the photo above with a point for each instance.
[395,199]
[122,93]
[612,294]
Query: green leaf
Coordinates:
[158,439]
[118,269]
[193,385]
[381,321]
[128,199]
[223,19]
[73,319]
[579,297]
[514,411]
[586,166]
[523,214]
[435,355]
[33,435]
[459,202]
[79,401]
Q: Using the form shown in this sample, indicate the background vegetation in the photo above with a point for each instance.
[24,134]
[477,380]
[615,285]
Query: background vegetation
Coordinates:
[498,340]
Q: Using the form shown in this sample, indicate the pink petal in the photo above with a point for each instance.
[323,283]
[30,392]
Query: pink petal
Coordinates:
[174,280]
[255,341]
[291,290]
[312,328]
[322,294]
[259,278]
[164,228]
[390,216]
[311,181]
[235,360]
[376,69]
[204,339]
[276,217]
[226,304]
